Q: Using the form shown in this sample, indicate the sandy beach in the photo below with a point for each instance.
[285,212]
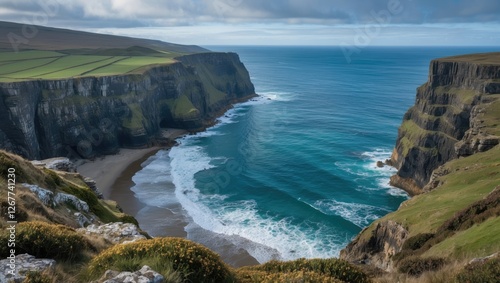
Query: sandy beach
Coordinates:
[107,169]
[113,175]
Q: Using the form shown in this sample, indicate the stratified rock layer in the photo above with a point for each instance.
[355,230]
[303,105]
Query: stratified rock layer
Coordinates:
[446,121]
[89,116]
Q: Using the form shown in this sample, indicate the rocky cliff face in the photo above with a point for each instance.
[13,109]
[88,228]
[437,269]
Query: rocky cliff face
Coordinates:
[377,249]
[89,116]
[456,114]
[447,119]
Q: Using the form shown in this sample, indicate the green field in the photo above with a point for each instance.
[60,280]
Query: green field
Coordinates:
[32,65]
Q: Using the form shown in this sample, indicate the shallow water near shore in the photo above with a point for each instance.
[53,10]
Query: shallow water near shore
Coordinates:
[292,173]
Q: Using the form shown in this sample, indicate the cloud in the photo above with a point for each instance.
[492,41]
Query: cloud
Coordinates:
[132,13]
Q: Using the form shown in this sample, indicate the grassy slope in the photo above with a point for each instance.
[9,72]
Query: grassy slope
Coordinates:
[29,65]
[56,182]
[470,179]
[48,38]
[480,58]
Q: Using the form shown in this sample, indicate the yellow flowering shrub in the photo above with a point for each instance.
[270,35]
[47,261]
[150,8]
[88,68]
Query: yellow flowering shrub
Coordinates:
[328,269]
[195,262]
[247,276]
[44,240]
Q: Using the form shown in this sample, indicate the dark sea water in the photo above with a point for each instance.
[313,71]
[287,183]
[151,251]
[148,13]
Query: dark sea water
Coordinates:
[292,174]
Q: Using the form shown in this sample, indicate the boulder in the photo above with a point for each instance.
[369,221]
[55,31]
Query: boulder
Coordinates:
[79,204]
[24,263]
[144,275]
[57,163]
[117,232]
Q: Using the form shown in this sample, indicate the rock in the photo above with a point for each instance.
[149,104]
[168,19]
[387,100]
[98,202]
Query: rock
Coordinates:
[483,259]
[117,232]
[380,164]
[82,219]
[386,240]
[93,186]
[389,162]
[57,163]
[79,204]
[44,195]
[446,121]
[74,117]
[23,264]
[144,275]
[51,199]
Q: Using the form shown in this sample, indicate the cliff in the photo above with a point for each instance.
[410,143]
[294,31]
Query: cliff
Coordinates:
[447,156]
[93,115]
[448,118]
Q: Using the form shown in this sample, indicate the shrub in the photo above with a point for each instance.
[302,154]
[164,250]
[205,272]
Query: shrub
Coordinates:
[295,276]
[37,277]
[484,272]
[417,241]
[332,267]
[45,240]
[194,261]
[415,266]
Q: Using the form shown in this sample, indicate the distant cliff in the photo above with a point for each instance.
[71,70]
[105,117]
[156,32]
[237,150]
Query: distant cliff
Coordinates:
[447,155]
[447,119]
[89,116]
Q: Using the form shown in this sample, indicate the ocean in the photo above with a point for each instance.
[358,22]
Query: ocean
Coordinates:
[291,173]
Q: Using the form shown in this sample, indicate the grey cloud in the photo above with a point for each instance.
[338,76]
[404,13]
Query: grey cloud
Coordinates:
[132,13]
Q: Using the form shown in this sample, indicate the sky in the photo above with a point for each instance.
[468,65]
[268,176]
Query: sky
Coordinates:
[353,23]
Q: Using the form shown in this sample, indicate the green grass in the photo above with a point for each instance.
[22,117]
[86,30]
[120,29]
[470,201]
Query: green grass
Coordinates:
[27,55]
[82,69]
[478,241]
[130,65]
[464,95]
[182,108]
[28,65]
[492,58]
[472,178]
[136,118]
[491,117]
[412,133]
[24,65]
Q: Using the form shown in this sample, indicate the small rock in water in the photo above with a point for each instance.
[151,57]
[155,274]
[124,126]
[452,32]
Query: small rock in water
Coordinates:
[380,164]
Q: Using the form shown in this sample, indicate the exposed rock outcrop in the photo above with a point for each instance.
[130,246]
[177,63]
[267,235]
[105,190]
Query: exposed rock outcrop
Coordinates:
[143,275]
[51,199]
[385,241]
[89,116]
[57,163]
[446,121]
[24,263]
[115,232]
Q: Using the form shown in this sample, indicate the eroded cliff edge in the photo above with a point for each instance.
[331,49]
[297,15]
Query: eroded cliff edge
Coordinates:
[447,155]
[448,119]
[90,116]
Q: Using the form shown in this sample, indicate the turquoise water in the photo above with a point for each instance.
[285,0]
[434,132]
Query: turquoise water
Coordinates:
[292,173]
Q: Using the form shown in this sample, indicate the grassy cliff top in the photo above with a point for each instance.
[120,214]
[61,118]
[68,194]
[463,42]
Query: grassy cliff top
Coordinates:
[60,53]
[492,58]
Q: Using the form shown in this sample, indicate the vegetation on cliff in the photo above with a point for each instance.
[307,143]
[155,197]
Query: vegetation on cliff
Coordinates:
[91,94]
[448,155]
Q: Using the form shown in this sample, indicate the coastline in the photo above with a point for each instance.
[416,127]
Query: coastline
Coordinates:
[113,176]
[109,169]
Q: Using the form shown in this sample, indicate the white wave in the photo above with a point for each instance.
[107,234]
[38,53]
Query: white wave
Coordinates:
[242,218]
[359,214]
[151,183]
